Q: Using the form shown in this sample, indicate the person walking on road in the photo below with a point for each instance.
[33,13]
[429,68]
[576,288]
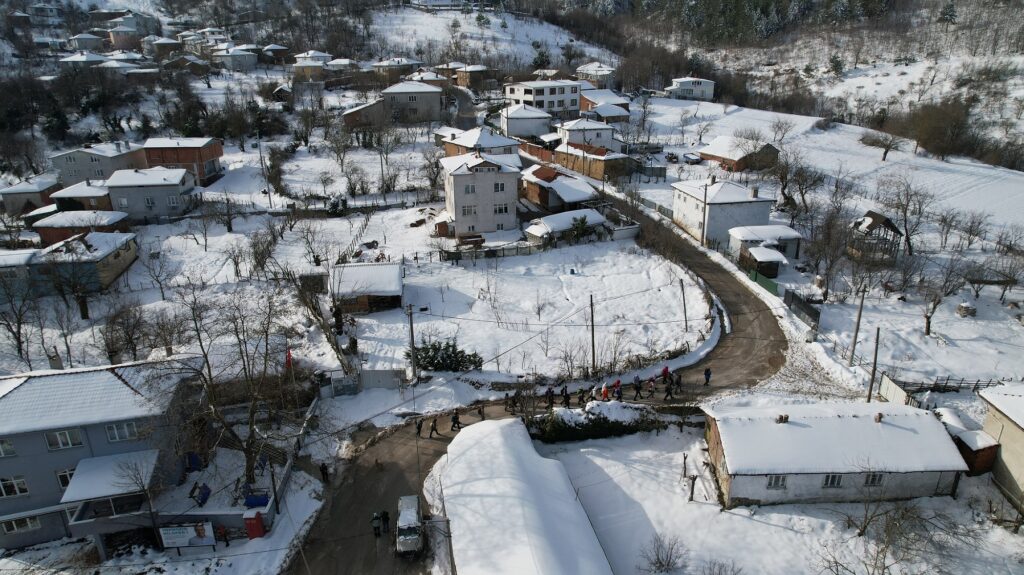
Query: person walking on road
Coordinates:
[707,375]
[456,424]
[566,398]
[506,401]
[375,522]
[637,388]
[419,428]
[581,396]
[668,391]
[433,428]
[325,473]
[385,520]
[650,388]
[480,412]
[666,375]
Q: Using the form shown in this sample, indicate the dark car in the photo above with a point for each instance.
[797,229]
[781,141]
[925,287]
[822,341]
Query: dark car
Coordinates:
[692,159]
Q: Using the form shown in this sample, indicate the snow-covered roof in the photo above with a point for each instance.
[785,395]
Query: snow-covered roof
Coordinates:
[47,209]
[584,150]
[450,66]
[314,54]
[308,64]
[12,258]
[447,132]
[1008,399]
[85,36]
[764,233]
[273,47]
[80,219]
[482,138]
[106,149]
[762,254]
[834,438]
[126,56]
[123,28]
[158,176]
[721,192]
[392,62]
[547,83]
[513,512]
[177,142]
[111,475]
[34,184]
[85,56]
[54,399]
[561,222]
[690,79]
[596,69]
[91,247]
[872,220]
[731,147]
[354,109]
[425,76]
[84,189]
[379,279]
[233,52]
[474,68]
[524,112]
[410,88]
[582,124]
[550,137]
[342,62]
[605,97]
[462,164]
[165,41]
[609,111]
[117,65]
[568,188]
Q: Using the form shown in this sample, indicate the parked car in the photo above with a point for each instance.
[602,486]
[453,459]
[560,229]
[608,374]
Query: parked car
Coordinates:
[672,158]
[692,159]
[409,534]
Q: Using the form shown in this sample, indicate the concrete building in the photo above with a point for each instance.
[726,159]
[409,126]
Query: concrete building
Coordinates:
[151,194]
[86,41]
[413,102]
[389,70]
[124,37]
[1005,423]
[370,114]
[591,133]
[235,59]
[473,77]
[63,225]
[200,156]
[483,140]
[524,121]
[97,161]
[314,55]
[830,452]
[87,195]
[783,239]
[29,194]
[480,194]
[707,209]
[55,427]
[552,191]
[739,154]
[599,74]
[559,98]
[691,89]
[596,162]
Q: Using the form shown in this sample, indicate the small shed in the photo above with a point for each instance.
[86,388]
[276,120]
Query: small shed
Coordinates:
[367,287]
[559,226]
[765,260]
[738,154]
[978,448]
[783,238]
[874,239]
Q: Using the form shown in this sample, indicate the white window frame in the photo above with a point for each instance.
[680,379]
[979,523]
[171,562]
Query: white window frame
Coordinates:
[122,202]
[68,473]
[833,481]
[173,201]
[18,485]
[29,524]
[500,209]
[499,187]
[64,440]
[7,448]
[124,431]
[873,479]
[776,482]
[71,159]
[469,189]
[468,211]
[150,202]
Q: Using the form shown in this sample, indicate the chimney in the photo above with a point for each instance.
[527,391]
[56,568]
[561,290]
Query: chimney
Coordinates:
[878,418]
[753,192]
[117,146]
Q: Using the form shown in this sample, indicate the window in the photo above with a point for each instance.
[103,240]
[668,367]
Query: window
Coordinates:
[98,172]
[470,228]
[552,91]
[776,482]
[7,448]
[500,227]
[150,202]
[833,480]
[572,102]
[412,98]
[64,477]
[873,480]
[173,201]
[551,103]
[13,486]
[499,187]
[122,431]
[470,188]
[501,208]
[122,202]
[70,159]
[574,89]
[94,159]
[92,202]
[469,210]
[63,439]
[561,103]
[23,524]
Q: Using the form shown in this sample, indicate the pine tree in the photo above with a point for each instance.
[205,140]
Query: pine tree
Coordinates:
[948,14]
[835,64]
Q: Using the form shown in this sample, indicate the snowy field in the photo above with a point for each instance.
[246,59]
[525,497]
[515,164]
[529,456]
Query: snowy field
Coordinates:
[631,490]
[407,30]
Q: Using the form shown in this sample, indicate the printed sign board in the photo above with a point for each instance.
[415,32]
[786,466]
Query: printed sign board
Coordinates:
[191,535]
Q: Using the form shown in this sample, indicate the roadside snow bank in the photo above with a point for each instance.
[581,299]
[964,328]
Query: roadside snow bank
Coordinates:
[512,511]
[601,410]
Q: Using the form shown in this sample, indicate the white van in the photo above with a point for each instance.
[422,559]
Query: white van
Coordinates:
[409,534]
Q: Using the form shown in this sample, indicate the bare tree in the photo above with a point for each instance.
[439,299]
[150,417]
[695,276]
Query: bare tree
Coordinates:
[907,202]
[1010,237]
[66,320]
[10,230]
[790,160]
[663,555]
[17,312]
[974,226]
[199,228]
[432,168]
[160,268]
[938,284]
[781,127]
[827,248]
[948,219]
[702,130]
[749,140]
[719,567]
[339,142]
[167,328]
[806,180]
[124,330]
[1010,268]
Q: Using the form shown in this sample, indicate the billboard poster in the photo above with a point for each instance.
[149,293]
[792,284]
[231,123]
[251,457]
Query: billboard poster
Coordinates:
[191,535]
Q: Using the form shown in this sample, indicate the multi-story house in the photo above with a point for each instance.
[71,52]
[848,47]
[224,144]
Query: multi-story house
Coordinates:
[147,195]
[412,102]
[200,156]
[691,89]
[101,420]
[483,140]
[97,161]
[557,97]
[480,194]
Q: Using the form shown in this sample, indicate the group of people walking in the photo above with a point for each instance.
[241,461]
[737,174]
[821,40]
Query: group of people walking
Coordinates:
[381,523]
[456,420]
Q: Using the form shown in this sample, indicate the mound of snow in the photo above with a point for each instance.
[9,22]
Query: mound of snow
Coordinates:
[610,410]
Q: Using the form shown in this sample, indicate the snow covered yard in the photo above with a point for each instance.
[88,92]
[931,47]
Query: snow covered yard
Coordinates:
[631,490]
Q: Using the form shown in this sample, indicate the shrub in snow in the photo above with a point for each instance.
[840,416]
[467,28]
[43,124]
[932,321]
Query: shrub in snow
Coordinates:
[663,555]
[596,420]
[445,356]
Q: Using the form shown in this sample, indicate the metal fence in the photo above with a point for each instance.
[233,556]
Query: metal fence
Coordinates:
[802,309]
[947,384]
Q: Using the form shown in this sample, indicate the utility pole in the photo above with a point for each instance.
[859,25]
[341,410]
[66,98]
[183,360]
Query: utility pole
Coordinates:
[412,345]
[704,219]
[682,286]
[593,347]
[874,363]
[263,170]
[856,327]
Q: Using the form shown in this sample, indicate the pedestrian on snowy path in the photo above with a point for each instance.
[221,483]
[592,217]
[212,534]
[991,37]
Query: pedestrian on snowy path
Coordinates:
[325,472]
[666,375]
[375,522]
[668,391]
[566,398]
[650,388]
[456,424]
[480,412]
[618,393]
[604,392]
[506,401]
[582,396]
[419,428]
[433,428]
[637,389]
[385,519]
[707,375]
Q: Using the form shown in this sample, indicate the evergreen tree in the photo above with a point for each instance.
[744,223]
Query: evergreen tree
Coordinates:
[948,14]
[542,59]
[835,65]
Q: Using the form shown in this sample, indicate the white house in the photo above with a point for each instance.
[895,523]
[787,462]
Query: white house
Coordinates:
[589,132]
[314,55]
[1005,423]
[830,452]
[557,97]
[236,59]
[784,239]
[86,41]
[152,193]
[480,194]
[707,210]
[559,225]
[483,140]
[523,120]
[82,59]
[599,74]
[691,89]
